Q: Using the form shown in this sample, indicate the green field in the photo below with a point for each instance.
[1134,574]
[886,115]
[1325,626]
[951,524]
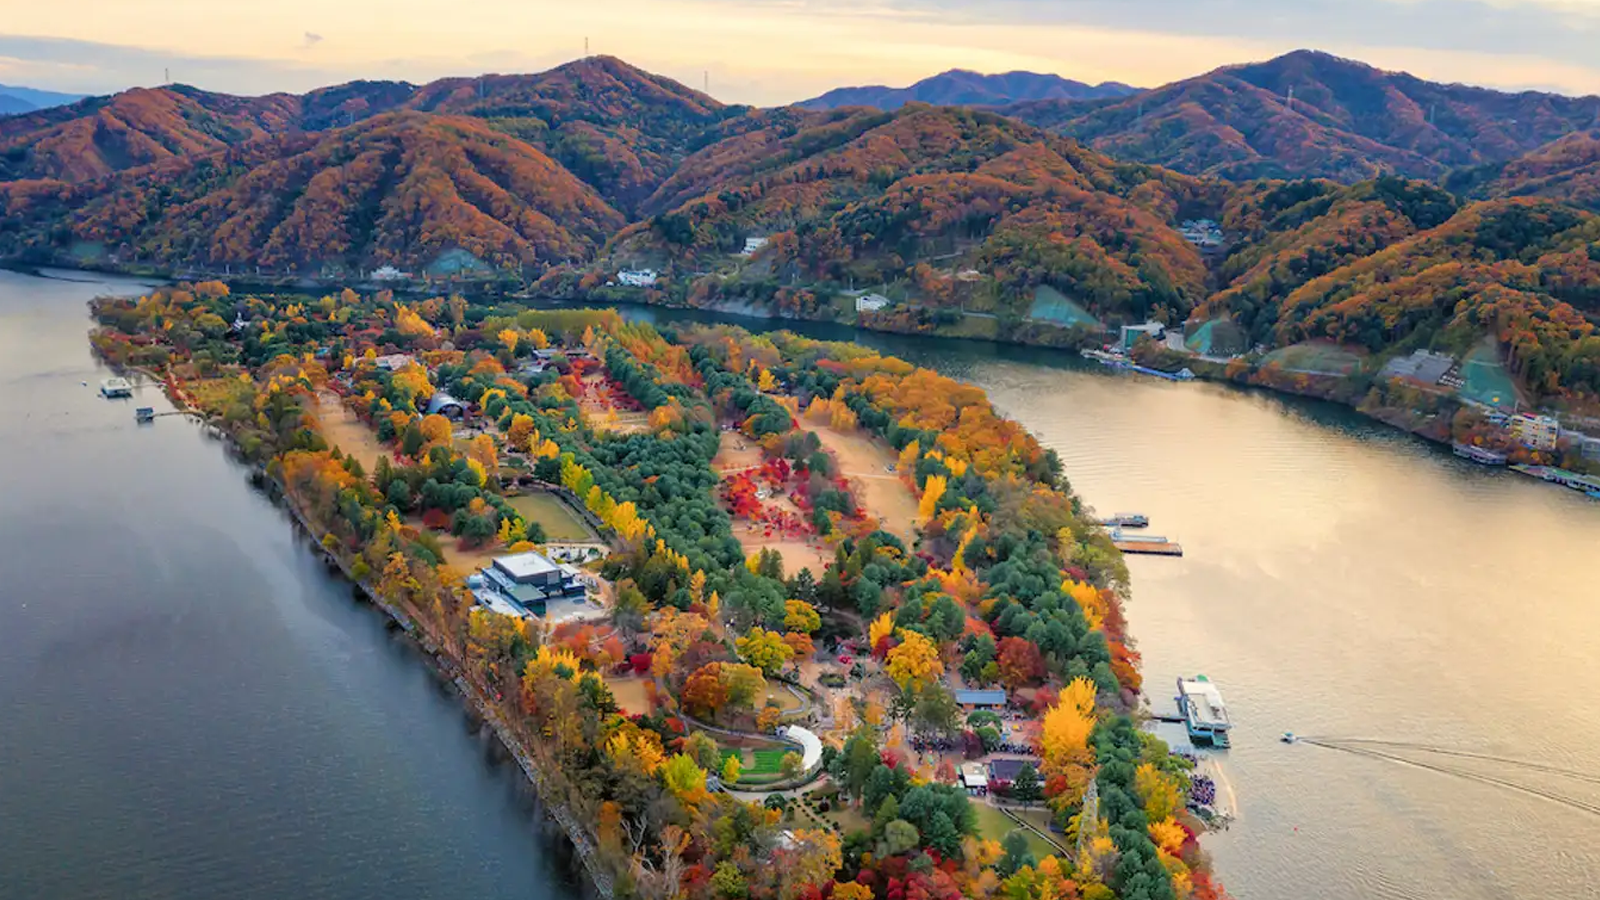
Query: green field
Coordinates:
[1315,358]
[1050,305]
[995,825]
[560,524]
[761,761]
[1485,381]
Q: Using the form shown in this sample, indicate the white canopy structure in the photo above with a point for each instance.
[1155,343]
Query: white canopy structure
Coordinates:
[811,745]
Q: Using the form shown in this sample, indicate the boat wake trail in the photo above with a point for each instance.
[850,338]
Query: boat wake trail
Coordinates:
[1365,747]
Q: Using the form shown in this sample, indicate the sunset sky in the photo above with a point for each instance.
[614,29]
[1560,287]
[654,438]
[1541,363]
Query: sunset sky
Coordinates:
[775,51]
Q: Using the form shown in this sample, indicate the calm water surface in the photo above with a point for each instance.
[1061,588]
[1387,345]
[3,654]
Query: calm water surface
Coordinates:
[189,706]
[1343,580]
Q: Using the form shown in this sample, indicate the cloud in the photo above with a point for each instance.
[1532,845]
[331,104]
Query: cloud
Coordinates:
[1550,29]
[96,68]
[312,40]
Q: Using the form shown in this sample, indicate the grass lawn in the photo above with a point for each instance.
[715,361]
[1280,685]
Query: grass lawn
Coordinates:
[559,522]
[1316,358]
[995,825]
[760,761]
[847,819]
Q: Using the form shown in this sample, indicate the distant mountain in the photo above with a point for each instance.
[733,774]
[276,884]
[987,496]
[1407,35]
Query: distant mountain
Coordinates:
[1313,114]
[14,99]
[621,129]
[403,188]
[959,87]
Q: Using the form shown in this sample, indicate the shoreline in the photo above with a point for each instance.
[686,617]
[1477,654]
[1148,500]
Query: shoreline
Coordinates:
[1320,388]
[447,670]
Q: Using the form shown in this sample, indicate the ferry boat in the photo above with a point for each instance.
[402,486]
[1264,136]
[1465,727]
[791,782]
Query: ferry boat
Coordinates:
[1204,714]
[116,387]
[1126,520]
[1478,454]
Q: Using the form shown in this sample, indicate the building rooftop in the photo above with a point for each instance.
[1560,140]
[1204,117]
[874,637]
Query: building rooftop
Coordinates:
[523,566]
[1205,702]
[981,698]
[974,775]
[1007,769]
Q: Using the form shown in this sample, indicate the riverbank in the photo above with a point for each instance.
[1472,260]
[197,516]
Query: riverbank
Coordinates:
[447,668]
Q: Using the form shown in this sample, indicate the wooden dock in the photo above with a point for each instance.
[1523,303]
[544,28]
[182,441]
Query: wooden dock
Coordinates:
[1150,548]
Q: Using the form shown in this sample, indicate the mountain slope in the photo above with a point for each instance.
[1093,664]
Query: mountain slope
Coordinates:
[96,137]
[875,197]
[1567,170]
[1525,271]
[1346,121]
[10,106]
[401,188]
[959,87]
[619,128]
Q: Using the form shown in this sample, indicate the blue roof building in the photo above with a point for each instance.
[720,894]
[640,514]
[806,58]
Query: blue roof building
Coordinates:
[981,699]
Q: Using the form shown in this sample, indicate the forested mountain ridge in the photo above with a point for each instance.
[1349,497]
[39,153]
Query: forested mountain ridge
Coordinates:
[400,188]
[870,197]
[955,211]
[960,87]
[619,128]
[1314,114]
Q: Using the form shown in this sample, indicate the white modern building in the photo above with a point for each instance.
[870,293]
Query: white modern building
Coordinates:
[638,277]
[754,245]
[871,302]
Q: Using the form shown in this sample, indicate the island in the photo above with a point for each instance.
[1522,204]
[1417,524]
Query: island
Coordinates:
[760,616]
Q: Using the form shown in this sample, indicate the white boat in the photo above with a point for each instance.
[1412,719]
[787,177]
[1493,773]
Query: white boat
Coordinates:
[116,387]
[1204,713]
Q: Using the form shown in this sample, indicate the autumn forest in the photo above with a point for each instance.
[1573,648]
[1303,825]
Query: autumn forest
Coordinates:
[1364,208]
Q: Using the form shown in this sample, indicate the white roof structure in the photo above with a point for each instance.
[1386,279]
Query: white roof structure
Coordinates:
[974,776]
[1205,702]
[521,566]
[810,744]
[496,603]
[871,302]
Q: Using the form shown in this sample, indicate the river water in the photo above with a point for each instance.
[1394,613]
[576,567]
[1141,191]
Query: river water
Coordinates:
[1341,580]
[191,707]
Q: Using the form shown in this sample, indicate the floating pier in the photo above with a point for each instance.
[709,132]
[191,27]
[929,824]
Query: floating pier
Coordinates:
[1149,548]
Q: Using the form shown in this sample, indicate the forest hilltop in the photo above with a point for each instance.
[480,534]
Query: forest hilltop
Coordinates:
[1417,215]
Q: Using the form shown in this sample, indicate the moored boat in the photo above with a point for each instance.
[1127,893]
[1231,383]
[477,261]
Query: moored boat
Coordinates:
[1204,714]
[1478,454]
[1126,520]
[116,387]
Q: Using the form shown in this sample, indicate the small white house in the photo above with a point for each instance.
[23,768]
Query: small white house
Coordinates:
[394,362]
[754,245]
[389,273]
[871,302]
[637,277]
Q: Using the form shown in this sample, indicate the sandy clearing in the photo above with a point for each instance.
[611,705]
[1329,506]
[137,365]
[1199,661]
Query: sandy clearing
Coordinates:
[351,435]
[602,416]
[866,462]
[630,695]
[797,554]
[736,452]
